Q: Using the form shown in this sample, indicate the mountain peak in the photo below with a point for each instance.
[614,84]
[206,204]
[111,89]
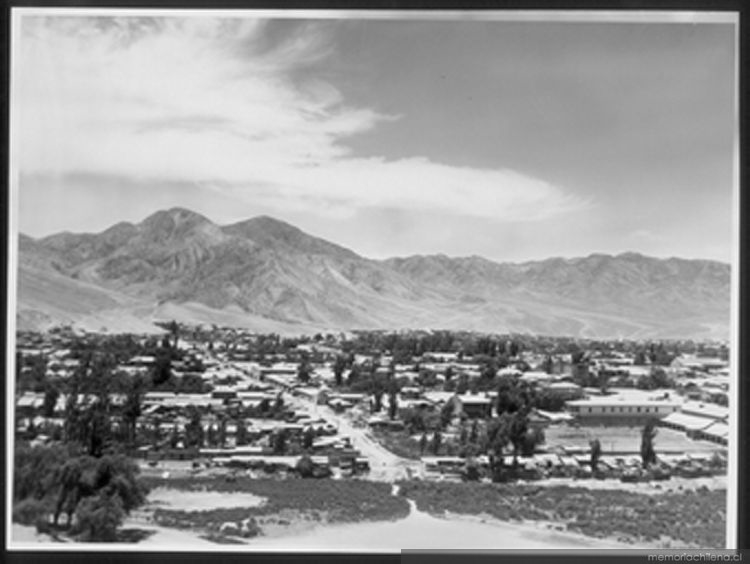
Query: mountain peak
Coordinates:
[176,215]
[173,223]
[277,234]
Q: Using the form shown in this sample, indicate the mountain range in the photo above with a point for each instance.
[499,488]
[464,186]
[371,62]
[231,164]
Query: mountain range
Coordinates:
[267,275]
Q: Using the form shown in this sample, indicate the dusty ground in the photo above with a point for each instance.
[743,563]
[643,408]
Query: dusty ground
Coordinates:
[167,498]
[423,531]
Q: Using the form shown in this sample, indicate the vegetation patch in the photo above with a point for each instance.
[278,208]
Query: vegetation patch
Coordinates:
[399,443]
[689,518]
[289,501]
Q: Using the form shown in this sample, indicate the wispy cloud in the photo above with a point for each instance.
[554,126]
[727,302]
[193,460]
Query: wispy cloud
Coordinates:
[219,101]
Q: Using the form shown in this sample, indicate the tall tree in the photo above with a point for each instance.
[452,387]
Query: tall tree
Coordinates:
[446,415]
[194,430]
[648,454]
[338,370]
[241,437]
[308,438]
[392,404]
[51,394]
[596,452]
[131,410]
[174,330]
[304,372]
[437,441]
[279,442]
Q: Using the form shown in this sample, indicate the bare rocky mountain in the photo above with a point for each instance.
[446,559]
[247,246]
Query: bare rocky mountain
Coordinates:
[268,275]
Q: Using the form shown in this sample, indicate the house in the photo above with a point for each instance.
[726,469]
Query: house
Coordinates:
[534,377]
[384,423]
[29,404]
[474,406]
[704,421]
[544,418]
[717,432]
[565,390]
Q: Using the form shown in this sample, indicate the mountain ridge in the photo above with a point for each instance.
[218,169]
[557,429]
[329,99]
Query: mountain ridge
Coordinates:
[265,268]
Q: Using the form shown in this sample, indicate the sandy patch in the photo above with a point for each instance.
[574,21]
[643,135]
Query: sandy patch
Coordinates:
[182,500]
[26,535]
[423,531]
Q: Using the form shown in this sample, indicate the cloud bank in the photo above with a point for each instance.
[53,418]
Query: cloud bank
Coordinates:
[223,103]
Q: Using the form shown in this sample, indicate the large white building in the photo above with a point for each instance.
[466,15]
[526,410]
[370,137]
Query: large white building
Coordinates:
[622,408]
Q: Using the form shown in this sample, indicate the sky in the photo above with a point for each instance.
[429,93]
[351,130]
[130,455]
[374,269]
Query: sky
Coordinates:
[462,135]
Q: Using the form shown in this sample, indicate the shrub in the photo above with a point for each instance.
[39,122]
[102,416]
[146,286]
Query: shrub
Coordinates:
[98,517]
[30,511]
[305,467]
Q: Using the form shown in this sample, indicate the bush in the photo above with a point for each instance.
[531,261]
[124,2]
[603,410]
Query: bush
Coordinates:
[30,511]
[98,517]
[305,467]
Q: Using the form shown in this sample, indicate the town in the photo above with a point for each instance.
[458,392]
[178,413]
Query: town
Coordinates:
[434,405]
[206,405]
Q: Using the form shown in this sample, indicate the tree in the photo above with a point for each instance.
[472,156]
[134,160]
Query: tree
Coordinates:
[111,479]
[194,430]
[497,437]
[174,437]
[338,370]
[596,452]
[474,434]
[305,467]
[413,420]
[648,454]
[437,440]
[506,400]
[174,330]
[392,404]
[446,415]
[241,438]
[264,406]
[114,492]
[463,384]
[449,372]
[304,372]
[378,400]
[51,394]
[161,372]
[131,410]
[517,432]
[213,435]
[222,432]
[156,432]
[279,442]
[308,437]
[471,471]
[603,380]
[98,518]
[548,365]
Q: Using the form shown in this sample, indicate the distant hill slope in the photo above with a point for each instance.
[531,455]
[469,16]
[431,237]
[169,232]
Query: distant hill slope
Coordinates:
[266,273]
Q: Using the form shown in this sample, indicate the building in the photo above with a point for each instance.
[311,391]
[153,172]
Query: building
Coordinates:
[473,406]
[620,410]
[565,390]
[704,421]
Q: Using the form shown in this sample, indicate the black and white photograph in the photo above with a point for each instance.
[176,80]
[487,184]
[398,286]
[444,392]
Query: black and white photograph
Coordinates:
[368,281]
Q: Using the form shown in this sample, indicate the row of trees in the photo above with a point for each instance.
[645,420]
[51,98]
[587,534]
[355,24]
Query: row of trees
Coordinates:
[648,453]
